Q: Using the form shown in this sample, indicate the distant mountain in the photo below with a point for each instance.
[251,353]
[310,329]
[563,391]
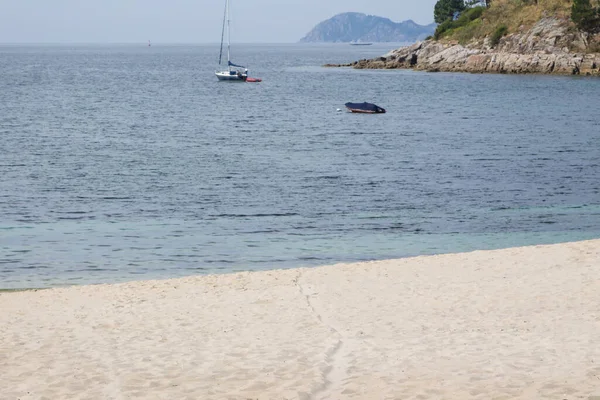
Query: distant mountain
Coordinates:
[351,26]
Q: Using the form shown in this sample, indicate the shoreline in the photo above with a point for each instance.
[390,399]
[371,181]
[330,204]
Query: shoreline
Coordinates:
[459,59]
[533,239]
[548,48]
[513,323]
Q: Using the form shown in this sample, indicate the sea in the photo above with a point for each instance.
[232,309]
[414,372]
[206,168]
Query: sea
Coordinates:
[130,162]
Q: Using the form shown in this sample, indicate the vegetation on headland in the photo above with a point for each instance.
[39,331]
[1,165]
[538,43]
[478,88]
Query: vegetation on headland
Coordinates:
[465,21]
[586,16]
[469,18]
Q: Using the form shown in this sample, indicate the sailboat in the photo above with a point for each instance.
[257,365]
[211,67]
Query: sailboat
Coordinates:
[233,72]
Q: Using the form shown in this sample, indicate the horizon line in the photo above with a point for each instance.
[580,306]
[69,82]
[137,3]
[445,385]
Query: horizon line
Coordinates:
[145,43]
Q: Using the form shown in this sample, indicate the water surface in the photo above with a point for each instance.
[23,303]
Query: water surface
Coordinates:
[128,162]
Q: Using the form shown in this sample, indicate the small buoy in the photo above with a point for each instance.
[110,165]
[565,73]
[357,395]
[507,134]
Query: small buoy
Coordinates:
[339,110]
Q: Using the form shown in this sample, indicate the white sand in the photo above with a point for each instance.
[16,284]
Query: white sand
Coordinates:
[521,323]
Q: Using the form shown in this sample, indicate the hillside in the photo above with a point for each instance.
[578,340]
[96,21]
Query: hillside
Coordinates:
[508,37]
[348,27]
[514,17]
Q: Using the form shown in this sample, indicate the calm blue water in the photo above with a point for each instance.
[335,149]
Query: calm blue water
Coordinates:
[127,162]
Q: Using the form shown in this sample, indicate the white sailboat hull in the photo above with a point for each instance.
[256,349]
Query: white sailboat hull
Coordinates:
[230,76]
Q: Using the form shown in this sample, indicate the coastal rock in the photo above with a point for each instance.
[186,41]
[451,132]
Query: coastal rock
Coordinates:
[549,47]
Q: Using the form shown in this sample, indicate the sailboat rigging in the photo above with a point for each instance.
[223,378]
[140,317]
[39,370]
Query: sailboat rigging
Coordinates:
[234,72]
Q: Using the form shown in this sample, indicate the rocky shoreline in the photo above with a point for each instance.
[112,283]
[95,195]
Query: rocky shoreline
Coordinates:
[550,47]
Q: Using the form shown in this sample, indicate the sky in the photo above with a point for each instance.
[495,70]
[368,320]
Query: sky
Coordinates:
[184,21]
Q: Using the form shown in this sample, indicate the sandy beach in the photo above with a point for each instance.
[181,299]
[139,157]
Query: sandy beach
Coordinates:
[521,323]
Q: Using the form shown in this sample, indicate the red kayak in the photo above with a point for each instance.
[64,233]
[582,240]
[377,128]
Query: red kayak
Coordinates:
[253,80]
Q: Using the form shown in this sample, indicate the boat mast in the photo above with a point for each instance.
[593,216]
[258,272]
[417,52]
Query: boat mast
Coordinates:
[228,37]
[223,34]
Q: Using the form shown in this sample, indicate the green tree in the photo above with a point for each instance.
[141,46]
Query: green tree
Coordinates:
[586,17]
[445,9]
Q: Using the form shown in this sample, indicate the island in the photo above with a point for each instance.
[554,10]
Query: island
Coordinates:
[361,28]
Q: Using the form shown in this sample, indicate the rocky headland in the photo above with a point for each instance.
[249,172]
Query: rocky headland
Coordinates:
[551,46]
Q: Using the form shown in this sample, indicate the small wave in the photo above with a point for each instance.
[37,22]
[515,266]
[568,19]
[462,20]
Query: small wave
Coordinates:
[393,227]
[263,231]
[95,268]
[254,215]
[74,218]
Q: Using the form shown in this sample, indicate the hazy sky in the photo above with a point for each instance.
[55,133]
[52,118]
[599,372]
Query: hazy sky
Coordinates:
[184,21]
